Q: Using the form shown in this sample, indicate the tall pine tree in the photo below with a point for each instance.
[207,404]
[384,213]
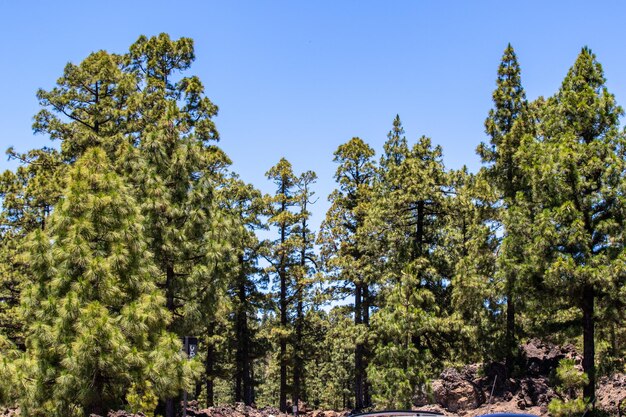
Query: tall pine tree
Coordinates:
[245,204]
[577,165]
[509,107]
[303,273]
[97,322]
[414,325]
[345,249]
[281,256]
[155,123]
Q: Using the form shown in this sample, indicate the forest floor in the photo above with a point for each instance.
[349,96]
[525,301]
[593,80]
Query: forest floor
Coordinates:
[470,391]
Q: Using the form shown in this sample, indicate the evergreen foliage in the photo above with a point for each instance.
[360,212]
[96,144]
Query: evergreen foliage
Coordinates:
[414,319]
[472,244]
[347,256]
[134,231]
[570,380]
[576,165]
[244,203]
[94,311]
[281,256]
[506,124]
[27,196]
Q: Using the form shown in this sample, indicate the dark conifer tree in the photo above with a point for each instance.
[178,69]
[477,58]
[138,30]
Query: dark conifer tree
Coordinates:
[576,165]
[510,107]
[345,250]
[303,272]
[245,204]
[281,255]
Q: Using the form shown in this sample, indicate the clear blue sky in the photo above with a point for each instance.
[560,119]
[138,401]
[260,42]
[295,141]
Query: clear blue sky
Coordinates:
[296,78]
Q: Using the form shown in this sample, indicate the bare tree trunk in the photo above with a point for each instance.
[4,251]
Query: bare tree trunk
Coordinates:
[170,407]
[359,402]
[283,343]
[298,359]
[209,369]
[589,349]
[367,400]
[510,339]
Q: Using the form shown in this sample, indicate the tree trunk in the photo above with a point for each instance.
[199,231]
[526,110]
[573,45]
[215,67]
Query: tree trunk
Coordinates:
[209,370]
[283,341]
[367,400]
[298,363]
[510,340]
[589,349]
[96,407]
[282,272]
[248,387]
[358,352]
[298,360]
[419,231]
[243,380]
[251,388]
[198,391]
[170,409]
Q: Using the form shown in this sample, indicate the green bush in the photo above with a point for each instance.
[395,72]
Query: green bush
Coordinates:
[142,399]
[571,380]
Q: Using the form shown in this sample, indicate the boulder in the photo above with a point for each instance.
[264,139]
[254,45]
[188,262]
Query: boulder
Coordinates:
[611,394]
[534,392]
[539,358]
[453,392]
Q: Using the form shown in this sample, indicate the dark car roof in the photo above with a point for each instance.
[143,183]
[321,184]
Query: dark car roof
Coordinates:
[398,413]
[507,415]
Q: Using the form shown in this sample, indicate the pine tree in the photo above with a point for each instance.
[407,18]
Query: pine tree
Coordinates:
[577,166]
[470,238]
[245,204]
[510,107]
[344,247]
[332,371]
[282,258]
[94,311]
[156,125]
[175,172]
[27,196]
[414,326]
[303,272]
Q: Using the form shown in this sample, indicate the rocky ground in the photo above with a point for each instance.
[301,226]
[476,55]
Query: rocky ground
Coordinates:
[476,390]
[470,391]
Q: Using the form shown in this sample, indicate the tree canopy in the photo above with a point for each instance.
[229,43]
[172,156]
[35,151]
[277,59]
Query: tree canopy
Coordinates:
[132,230]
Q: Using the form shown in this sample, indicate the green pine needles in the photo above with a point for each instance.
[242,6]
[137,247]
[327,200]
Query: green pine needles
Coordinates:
[97,320]
[135,231]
